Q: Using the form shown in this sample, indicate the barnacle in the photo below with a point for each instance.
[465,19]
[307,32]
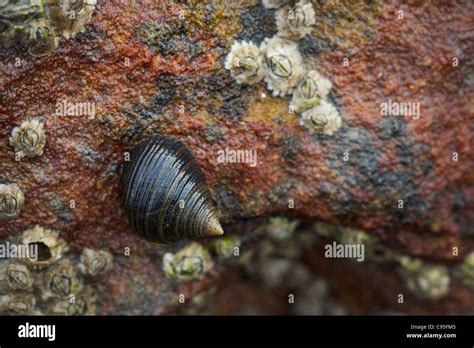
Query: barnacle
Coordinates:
[245,63]
[70,17]
[322,118]
[95,263]
[310,91]
[283,65]
[11,201]
[426,281]
[274,3]
[295,22]
[42,40]
[15,19]
[29,139]
[224,246]
[37,24]
[60,280]
[14,275]
[280,228]
[82,303]
[17,303]
[50,246]
[465,271]
[190,263]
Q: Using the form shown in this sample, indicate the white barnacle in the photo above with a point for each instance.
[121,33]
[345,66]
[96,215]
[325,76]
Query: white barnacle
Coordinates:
[283,65]
[245,63]
[312,88]
[70,17]
[295,22]
[322,118]
[274,3]
[29,139]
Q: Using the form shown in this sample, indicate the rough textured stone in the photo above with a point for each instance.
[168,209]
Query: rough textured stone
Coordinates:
[141,86]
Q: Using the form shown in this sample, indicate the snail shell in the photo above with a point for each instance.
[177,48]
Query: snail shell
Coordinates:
[165,193]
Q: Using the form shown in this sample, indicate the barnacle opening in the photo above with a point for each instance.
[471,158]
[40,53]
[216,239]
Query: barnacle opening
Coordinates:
[319,121]
[247,65]
[61,284]
[44,252]
[281,65]
[29,138]
[308,88]
[43,42]
[50,247]
[11,201]
[72,5]
[296,17]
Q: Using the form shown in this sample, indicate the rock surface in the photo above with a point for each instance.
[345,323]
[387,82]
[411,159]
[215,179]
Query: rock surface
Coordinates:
[149,67]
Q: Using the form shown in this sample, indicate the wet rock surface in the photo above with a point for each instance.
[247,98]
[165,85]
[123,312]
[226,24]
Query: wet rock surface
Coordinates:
[158,67]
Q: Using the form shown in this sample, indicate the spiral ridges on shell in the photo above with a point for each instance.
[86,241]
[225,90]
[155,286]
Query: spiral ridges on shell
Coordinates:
[165,193]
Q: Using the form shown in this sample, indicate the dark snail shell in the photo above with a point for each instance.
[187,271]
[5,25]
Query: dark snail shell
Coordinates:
[165,193]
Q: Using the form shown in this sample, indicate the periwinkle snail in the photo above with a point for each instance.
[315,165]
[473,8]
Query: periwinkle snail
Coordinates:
[165,194]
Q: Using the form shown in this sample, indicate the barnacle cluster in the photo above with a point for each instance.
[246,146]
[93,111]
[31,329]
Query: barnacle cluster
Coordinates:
[374,250]
[29,139]
[276,262]
[279,62]
[11,201]
[465,271]
[190,263]
[426,281]
[52,281]
[38,24]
